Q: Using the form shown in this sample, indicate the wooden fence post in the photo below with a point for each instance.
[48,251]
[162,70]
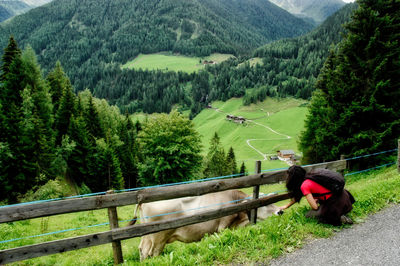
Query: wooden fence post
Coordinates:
[256,194]
[398,156]
[116,245]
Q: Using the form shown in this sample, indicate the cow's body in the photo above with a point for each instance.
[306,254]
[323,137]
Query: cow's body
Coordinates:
[153,244]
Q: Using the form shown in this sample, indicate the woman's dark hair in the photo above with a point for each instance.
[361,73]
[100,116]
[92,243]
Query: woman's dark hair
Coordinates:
[295,177]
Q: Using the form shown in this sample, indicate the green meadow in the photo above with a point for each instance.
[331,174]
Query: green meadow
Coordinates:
[172,62]
[275,124]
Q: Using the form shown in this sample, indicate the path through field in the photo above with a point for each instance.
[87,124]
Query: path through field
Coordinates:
[264,155]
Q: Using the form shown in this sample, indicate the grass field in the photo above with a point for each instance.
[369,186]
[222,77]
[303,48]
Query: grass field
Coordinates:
[285,117]
[250,245]
[172,62]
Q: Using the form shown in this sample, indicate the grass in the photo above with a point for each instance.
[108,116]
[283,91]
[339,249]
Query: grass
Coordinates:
[253,244]
[253,61]
[172,62]
[285,116]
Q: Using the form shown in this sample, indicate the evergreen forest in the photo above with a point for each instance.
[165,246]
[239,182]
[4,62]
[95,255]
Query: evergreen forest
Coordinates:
[47,133]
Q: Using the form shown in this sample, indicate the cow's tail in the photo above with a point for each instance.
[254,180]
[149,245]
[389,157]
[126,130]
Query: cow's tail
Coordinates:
[133,221]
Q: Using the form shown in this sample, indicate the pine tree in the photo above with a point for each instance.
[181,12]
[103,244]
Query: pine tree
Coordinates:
[58,83]
[10,53]
[11,80]
[64,113]
[108,174]
[43,136]
[93,121]
[215,161]
[78,160]
[127,153]
[231,162]
[243,171]
[358,106]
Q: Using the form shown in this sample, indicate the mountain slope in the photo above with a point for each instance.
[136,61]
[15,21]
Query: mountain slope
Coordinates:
[35,3]
[10,8]
[116,31]
[317,10]
[289,67]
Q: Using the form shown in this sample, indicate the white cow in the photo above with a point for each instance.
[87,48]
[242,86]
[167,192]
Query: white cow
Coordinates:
[153,244]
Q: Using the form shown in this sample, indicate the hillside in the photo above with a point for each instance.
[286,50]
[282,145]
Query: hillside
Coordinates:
[288,67]
[10,8]
[102,32]
[270,125]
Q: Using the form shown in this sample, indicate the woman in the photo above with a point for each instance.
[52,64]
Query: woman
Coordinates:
[327,207]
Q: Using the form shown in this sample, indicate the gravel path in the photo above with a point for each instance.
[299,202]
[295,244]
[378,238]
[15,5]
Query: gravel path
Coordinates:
[374,242]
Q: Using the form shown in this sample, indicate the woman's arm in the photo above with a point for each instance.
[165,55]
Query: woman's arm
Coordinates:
[312,201]
[287,205]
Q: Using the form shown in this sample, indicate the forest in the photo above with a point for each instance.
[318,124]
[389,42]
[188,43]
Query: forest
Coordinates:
[47,132]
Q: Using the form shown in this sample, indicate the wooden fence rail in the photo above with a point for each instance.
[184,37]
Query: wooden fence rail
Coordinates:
[110,201]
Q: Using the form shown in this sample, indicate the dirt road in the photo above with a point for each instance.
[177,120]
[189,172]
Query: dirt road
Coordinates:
[374,242]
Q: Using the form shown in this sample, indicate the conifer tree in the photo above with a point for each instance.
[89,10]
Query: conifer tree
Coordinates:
[43,136]
[93,121]
[10,53]
[243,170]
[63,115]
[58,83]
[357,108]
[77,161]
[231,162]
[127,153]
[215,161]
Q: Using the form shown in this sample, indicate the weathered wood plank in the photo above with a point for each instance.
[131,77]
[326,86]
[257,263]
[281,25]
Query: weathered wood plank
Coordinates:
[335,165]
[35,210]
[28,211]
[154,227]
[53,247]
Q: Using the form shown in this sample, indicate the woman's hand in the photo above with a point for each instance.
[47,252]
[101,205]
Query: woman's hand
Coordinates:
[287,205]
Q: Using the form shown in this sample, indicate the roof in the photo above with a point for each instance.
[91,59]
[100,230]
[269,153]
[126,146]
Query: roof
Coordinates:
[286,152]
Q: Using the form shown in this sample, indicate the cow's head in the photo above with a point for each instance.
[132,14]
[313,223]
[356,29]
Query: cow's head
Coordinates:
[266,211]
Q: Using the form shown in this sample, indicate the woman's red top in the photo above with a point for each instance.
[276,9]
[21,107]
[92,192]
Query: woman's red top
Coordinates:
[310,186]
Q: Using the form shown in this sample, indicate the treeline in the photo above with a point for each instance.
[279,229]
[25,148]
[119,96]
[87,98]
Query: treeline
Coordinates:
[49,132]
[356,108]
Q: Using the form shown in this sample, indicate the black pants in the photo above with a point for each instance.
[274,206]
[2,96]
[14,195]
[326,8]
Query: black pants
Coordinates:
[332,209]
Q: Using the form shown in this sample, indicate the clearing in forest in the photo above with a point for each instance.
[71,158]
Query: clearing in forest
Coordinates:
[173,62]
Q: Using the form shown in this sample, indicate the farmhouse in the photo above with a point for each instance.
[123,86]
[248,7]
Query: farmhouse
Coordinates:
[285,154]
[236,119]
[230,117]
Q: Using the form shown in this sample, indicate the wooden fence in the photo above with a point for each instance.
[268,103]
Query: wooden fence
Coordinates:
[111,201]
